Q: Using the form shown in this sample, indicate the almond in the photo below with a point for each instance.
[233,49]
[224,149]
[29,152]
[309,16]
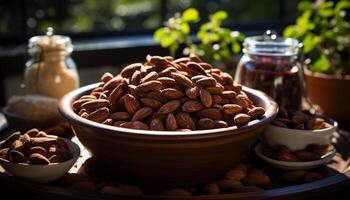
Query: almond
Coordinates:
[140,125]
[212,113]
[167,72]
[149,77]
[217,89]
[192,92]
[117,93]
[148,86]
[184,120]
[237,173]
[131,103]
[231,109]
[36,149]
[207,81]
[156,60]
[242,101]
[128,71]
[16,145]
[106,77]
[167,81]
[95,104]
[171,93]
[205,65]
[111,84]
[228,94]
[192,106]
[197,77]
[142,113]
[118,116]
[216,99]
[32,132]
[220,124]
[4,153]
[55,159]
[206,98]
[17,157]
[218,79]
[151,102]
[229,184]
[41,134]
[206,123]
[135,78]
[195,67]
[38,159]
[157,125]
[241,119]
[170,122]
[182,79]
[44,142]
[256,112]
[227,78]
[256,178]
[77,104]
[99,115]
[13,137]
[307,155]
[169,107]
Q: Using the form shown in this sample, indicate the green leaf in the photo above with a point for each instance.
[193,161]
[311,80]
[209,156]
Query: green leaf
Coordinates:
[236,47]
[342,5]
[190,15]
[310,42]
[326,9]
[185,28]
[167,41]
[304,5]
[322,64]
[219,15]
[159,33]
[289,31]
[303,22]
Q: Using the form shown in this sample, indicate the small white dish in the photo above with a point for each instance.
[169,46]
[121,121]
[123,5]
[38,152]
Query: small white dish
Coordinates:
[296,139]
[42,173]
[295,165]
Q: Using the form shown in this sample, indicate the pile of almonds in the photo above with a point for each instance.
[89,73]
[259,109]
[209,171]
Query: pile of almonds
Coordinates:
[310,153]
[166,94]
[289,118]
[34,147]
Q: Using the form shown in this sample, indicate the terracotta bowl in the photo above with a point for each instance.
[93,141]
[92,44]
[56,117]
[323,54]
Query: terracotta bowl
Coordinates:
[156,159]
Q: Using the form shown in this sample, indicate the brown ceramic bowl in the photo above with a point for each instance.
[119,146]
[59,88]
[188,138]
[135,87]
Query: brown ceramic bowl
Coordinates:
[163,158]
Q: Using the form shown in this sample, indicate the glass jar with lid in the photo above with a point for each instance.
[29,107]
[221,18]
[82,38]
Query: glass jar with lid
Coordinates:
[50,71]
[271,64]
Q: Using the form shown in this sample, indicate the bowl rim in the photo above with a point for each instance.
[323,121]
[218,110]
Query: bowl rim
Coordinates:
[324,160]
[65,108]
[75,155]
[294,131]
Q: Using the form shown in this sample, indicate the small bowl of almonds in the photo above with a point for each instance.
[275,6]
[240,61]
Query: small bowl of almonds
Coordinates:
[298,129]
[36,156]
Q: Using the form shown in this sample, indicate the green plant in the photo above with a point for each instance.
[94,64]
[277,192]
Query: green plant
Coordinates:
[214,41]
[325,35]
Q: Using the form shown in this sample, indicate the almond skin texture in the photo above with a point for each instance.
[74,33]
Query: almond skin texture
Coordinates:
[212,113]
[17,157]
[169,107]
[206,98]
[117,93]
[151,102]
[99,115]
[172,93]
[232,109]
[118,116]
[192,92]
[184,120]
[128,71]
[170,122]
[95,104]
[142,113]
[131,103]
[38,159]
[241,119]
[192,106]
[256,112]
[256,178]
[148,86]
[13,137]
[182,79]
[157,125]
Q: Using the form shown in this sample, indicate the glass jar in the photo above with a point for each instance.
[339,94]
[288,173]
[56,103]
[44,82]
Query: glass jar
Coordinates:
[271,65]
[50,71]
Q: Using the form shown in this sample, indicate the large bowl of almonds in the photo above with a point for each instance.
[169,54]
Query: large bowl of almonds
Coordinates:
[166,122]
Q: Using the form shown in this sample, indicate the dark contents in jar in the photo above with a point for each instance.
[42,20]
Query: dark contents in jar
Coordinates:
[276,76]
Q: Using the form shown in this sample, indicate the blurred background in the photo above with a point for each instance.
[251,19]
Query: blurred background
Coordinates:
[107,34]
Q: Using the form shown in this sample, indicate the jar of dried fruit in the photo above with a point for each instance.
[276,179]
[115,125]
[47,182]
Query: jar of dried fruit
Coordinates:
[50,71]
[271,64]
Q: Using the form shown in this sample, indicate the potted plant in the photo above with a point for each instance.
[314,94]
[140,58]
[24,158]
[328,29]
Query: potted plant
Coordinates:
[212,42]
[326,37]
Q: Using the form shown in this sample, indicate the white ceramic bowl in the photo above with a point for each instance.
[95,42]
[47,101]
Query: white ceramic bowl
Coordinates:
[295,165]
[42,173]
[296,139]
